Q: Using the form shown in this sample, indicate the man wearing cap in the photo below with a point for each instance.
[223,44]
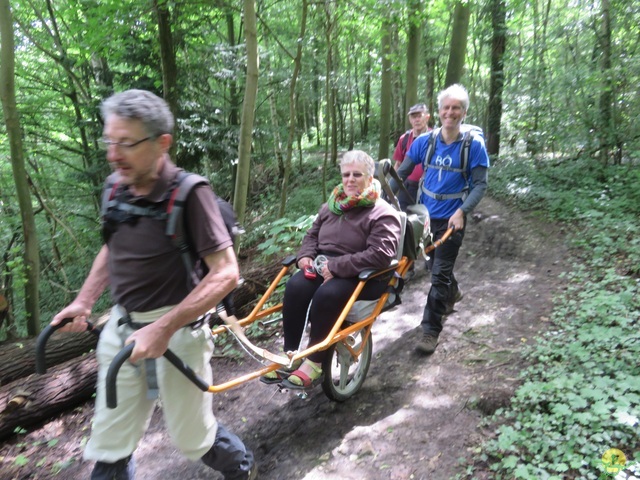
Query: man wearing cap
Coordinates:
[419,118]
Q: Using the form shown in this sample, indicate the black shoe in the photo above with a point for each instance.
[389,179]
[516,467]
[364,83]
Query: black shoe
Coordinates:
[427,344]
[452,304]
[123,469]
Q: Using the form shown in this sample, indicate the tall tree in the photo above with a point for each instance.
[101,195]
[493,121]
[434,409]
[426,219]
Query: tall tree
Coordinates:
[498,47]
[293,107]
[413,54]
[248,111]
[168,62]
[607,129]
[385,92]
[458,50]
[31,256]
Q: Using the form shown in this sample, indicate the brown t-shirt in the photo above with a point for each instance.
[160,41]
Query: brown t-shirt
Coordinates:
[146,270]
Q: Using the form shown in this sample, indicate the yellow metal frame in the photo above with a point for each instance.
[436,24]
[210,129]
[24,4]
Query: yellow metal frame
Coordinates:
[337,333]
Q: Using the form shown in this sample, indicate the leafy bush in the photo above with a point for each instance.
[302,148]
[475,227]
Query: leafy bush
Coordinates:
[581,394]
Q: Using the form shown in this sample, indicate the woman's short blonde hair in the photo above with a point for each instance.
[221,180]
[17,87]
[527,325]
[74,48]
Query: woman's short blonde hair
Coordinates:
[358,156]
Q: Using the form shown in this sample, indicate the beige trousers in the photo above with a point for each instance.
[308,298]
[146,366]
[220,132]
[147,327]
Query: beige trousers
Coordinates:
[187,410]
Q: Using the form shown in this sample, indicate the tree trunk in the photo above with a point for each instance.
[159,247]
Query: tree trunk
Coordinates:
[458,49]
[327,90]
[413,56]
[367,98]
[31,257]
[607,129]
[248,111]
[385,93]
[17,359]
[498,45]
[293,108]
[36,398]
[234,101]
[169,67]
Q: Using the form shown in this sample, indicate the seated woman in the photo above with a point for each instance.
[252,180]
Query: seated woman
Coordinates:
[356,231]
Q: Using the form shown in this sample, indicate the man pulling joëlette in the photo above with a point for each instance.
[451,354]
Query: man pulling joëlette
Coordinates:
[449,196]
[154,305]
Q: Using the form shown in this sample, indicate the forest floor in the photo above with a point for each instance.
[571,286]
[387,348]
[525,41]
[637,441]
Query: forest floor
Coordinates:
[414,417]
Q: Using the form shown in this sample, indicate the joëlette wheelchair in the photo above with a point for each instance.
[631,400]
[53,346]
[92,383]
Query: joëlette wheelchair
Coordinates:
[349,344]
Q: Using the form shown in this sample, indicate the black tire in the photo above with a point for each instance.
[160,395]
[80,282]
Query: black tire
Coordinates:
[344,375]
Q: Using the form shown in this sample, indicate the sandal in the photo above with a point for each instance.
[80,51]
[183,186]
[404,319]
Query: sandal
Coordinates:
[298,380]
[277,376]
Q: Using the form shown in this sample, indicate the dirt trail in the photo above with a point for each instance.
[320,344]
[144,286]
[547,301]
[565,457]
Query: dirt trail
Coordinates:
[414,416]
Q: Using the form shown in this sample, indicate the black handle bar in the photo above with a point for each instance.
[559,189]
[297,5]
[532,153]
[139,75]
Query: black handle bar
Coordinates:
[125,353]
[41,362]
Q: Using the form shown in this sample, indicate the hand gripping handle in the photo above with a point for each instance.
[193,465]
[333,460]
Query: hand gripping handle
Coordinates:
[124,354]
[41,362]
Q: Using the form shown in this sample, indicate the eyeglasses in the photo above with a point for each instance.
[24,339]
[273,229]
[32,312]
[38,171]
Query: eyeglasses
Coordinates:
[105,143]
[352,174]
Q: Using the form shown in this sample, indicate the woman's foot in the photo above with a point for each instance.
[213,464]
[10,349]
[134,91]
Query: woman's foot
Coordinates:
[277,376]
[308,375]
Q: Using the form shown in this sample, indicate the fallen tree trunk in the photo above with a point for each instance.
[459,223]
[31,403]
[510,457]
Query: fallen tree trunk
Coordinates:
[17,359]
[36,398]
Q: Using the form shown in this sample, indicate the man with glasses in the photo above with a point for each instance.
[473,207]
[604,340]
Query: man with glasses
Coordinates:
[153,305]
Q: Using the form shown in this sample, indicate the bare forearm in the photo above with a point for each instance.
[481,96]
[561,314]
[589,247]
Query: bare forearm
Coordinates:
[218,283]
[96,281]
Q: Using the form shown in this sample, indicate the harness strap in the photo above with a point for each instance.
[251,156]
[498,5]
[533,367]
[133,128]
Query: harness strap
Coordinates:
[464,162]
[444,196]
[384,168]
[153,392]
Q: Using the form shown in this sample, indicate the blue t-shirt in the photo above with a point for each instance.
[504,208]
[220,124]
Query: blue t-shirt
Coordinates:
[445,181]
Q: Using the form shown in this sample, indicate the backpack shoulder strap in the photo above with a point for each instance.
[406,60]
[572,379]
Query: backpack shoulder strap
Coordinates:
[405,142]
[431,148]
[464,153]
[175,229]
[182,186]
[109,193]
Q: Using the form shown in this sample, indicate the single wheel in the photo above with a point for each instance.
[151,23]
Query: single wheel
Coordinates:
[344,374]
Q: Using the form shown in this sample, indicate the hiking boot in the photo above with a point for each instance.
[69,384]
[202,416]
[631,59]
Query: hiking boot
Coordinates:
[452,304]
[427,345]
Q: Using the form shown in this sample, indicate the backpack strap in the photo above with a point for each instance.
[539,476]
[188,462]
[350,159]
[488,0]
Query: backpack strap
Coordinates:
[405,142]
[175,229]
[467,138]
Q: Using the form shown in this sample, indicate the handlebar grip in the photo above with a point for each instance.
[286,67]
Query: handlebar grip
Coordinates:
[186,370]
[41,363]
[112,374]
[125,353]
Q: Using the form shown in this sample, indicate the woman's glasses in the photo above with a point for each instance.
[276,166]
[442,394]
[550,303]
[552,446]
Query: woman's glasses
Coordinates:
[352,174]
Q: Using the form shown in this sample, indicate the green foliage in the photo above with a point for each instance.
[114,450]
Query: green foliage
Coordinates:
[581,394]
[284,235]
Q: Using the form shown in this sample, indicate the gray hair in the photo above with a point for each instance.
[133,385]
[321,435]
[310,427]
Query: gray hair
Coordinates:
[457,92]
[358,156]
[151,110]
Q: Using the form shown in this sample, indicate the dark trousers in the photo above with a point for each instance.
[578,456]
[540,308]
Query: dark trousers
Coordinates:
[403,200]
[228,455]
[329,299]
[443,282]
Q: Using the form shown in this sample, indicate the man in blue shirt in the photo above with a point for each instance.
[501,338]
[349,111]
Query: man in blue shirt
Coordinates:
[450,193]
